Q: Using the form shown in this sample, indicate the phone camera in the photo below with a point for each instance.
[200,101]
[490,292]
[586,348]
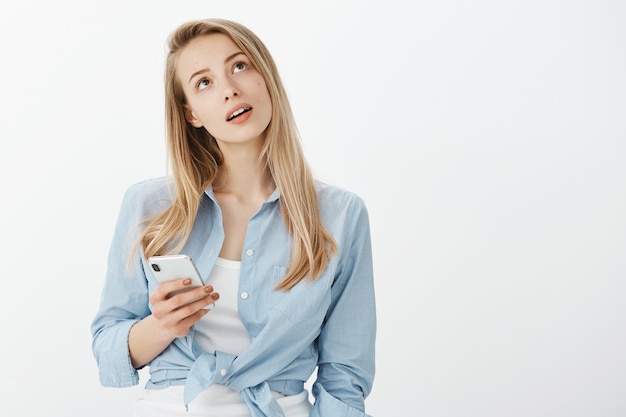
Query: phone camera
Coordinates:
[156,267]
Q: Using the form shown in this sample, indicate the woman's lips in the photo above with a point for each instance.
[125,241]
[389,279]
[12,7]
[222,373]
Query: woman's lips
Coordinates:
[239,113]
[242,117]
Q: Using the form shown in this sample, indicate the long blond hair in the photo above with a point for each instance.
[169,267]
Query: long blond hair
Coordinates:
[195,159]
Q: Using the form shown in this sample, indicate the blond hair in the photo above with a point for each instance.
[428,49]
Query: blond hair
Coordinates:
[195,159]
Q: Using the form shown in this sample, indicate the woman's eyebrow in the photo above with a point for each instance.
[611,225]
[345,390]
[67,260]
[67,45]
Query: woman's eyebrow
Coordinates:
[233,56]
[229,58]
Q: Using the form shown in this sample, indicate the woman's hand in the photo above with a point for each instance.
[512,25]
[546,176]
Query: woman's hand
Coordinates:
[178,312]
[172,317]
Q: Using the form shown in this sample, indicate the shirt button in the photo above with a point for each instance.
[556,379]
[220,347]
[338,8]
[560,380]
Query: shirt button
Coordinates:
[223,372]
[244,295]
[249,252]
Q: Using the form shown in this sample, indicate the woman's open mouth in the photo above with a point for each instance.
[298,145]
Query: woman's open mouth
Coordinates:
[238,113]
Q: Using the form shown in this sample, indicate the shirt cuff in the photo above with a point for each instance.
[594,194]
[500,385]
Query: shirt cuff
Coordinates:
[327,405]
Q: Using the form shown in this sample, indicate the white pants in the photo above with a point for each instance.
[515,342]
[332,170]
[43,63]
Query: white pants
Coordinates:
[218,401]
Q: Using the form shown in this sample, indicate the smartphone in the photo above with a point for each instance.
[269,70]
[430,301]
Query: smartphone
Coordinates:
[173,267]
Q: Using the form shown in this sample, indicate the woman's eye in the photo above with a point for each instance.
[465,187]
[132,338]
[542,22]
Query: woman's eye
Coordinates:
[240,66]
[202,84]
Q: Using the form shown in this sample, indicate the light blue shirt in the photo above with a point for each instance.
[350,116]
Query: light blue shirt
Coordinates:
[329,323]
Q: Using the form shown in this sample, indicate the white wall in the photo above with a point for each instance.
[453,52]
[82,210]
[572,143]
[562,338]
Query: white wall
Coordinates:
[486,137]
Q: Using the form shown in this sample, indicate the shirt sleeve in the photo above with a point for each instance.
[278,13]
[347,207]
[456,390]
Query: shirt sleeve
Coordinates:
[347,340]
[124,299]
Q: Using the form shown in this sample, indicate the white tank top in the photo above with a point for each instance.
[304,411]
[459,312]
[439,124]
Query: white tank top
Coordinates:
[222,328]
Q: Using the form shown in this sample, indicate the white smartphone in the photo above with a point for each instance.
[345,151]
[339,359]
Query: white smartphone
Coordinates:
[173,267]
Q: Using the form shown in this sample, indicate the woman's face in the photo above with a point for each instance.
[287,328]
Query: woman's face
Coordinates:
[225,94]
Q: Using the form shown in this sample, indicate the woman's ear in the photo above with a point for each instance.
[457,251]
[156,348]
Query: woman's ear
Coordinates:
[191,117]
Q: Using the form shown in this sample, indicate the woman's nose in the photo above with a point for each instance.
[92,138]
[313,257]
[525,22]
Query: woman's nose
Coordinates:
[231,92]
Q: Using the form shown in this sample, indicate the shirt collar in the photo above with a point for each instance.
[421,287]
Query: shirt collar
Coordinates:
[272,198]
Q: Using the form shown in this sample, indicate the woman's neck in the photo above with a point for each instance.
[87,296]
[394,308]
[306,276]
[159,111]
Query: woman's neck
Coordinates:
[244,174]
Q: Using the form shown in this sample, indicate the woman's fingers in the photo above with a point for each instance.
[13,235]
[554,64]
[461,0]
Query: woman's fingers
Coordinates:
[177,306]
[165,289]
[180,299]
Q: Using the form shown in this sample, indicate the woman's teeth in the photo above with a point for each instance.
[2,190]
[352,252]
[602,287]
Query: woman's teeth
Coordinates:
[238,112]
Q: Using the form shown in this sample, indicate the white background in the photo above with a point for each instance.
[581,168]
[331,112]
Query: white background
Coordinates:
[486,137]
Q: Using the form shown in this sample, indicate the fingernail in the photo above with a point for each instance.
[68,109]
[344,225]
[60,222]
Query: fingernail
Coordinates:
[215,296]
[208,289]
[187,281]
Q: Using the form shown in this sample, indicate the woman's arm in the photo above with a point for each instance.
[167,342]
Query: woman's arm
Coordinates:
[126,333]
[124,297]
[347,341]
[171,318]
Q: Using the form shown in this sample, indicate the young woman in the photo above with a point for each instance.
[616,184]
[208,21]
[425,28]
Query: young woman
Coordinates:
[289,255]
